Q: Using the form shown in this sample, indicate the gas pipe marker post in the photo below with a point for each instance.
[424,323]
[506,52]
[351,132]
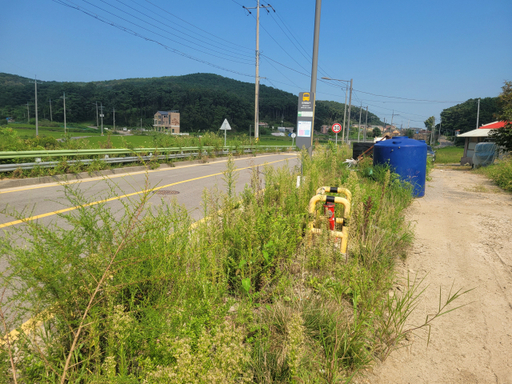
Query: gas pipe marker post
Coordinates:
[336,128]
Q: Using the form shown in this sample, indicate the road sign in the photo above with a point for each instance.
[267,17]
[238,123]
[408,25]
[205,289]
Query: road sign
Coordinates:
[336,128]
[293,135]
[225,126]
[305,119]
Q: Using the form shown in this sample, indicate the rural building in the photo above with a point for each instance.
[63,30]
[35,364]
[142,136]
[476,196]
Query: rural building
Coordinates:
[167,121]
[472,138]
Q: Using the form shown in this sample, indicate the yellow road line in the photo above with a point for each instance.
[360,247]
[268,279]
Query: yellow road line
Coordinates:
[27,219]
[49,185]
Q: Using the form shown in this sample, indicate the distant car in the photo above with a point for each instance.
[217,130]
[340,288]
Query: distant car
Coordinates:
[431,154]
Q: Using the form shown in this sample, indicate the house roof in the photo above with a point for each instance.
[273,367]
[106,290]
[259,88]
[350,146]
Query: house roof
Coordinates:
[494,125]
[476,133]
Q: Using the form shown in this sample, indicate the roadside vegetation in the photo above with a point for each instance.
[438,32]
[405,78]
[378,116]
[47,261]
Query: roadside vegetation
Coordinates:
[18,140]
[246,295]
[500,172]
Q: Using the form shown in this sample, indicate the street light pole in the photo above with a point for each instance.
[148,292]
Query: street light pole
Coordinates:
[345,110]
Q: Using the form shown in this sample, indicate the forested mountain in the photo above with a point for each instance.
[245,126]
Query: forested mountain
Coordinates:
[463,116]
[204,100]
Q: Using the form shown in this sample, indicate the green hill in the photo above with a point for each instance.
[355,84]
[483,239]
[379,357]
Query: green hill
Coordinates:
[203,99]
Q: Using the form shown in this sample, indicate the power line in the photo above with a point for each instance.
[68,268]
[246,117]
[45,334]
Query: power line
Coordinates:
[202,30]
[134,33]
[406,98]
[158,34]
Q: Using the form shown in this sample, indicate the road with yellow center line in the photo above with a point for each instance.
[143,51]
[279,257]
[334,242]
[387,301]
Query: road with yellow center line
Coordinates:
[33,197]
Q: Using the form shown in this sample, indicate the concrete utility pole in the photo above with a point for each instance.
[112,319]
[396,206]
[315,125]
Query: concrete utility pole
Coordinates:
[345,105]
[366,124]
[478,114]
[35,92]
[393,115]
[349,108]
[64,99]
[28,114]
[359,127]
[344,114]
[101,117]
[257,77]
[97,122]
[432,133]
[51,117]
[440,123]
[114,118]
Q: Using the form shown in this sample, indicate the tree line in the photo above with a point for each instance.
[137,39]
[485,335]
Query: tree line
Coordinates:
[204,101]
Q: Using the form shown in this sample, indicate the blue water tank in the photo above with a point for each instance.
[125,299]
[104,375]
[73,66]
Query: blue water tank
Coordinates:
[407,158]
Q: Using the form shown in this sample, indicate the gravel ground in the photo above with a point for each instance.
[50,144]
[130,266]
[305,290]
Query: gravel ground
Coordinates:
[463,237]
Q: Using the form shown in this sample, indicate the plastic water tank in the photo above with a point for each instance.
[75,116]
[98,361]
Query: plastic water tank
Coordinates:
[406,157]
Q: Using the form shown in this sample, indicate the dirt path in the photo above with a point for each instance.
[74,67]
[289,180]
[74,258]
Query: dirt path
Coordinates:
[463,235]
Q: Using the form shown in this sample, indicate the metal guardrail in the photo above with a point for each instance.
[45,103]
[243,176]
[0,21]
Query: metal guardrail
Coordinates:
[171,153]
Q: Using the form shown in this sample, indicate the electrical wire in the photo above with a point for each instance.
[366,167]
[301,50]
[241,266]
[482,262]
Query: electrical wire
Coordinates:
[71,5]
[202,30]
[158,34]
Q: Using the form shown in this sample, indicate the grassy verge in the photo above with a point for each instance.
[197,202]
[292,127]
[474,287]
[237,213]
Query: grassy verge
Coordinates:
[246,296]
[500,172]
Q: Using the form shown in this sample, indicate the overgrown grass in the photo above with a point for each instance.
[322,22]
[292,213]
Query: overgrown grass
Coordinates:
[500,172]
[449,155]
[245,296]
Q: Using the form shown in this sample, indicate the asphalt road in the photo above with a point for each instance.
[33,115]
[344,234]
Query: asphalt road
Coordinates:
[184,183]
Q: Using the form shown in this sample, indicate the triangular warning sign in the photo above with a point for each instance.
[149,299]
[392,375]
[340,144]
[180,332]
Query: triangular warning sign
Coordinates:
[225,126]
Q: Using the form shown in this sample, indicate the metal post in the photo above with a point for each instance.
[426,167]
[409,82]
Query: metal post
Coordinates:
[51,117]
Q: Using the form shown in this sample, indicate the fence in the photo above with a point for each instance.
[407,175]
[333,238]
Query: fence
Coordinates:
[118,155]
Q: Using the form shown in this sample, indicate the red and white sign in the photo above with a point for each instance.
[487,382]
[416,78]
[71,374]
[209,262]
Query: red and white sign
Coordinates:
[336,128]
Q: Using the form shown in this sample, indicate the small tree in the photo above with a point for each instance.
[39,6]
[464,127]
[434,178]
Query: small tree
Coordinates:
[503,136]
[376,132]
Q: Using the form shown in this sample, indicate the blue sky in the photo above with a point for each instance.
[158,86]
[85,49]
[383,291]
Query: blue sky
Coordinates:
[440,52]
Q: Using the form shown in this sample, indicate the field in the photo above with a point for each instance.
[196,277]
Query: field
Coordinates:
[92,137]
[449,155]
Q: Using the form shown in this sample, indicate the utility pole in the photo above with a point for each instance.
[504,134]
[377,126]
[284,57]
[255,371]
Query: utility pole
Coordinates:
[51,117]
[28,114]
[64,99]
[257,77]
[101,116]
[344,113]
[97,122]
[349,108]
[478,114]
[393,115]
[440,123]
[359,127]
[366,124]
[35,92]
[114,118]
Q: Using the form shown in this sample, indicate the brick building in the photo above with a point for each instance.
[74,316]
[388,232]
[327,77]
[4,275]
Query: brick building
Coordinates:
[167,121]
